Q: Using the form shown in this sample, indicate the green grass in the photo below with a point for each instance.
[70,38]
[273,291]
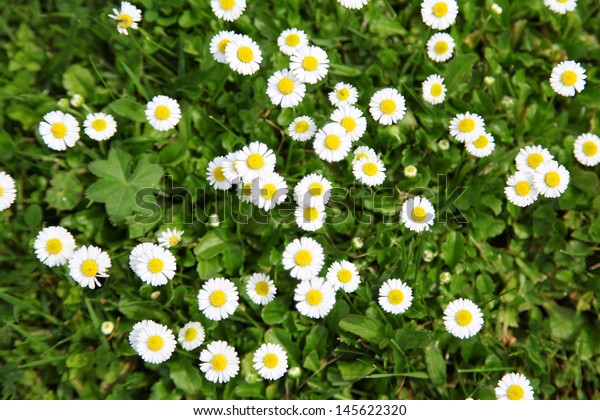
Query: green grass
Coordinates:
[533,271]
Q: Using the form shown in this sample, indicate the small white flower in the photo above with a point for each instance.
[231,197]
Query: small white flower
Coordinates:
[191,336]
[270,360]
[369,172]
[77,100]
[462,318]
[303,258]
[387,106]
[514,386]
[153,264]
[245,190]
[428,255]
[440,47]
[586,149]
[59,130]
[561,6]
[343,94]
[291,40]
[283,88]
[530,157]
[311,217]
[218,44]
[315,297]
[261,289]
[270,190]
[302,128]
[417,214]
[312,189]
[467,127]
[551,179]
[219,362]
[100,126]
[107,327]
[364,152]
[154,342]
[128,17]
[228,10]
[229,166]
[218,298]
[434,90]
[255,160]
[439,14]
[343,275]
[568,78]
[88,263]
[444,144]
[243,55]
[215,174]
[170,237]
[8,192]
[482,146]
[163,113]
[445,277]
[520,189]
[352,120]
[395,296]
[353,4]
[309,64]
[410,171]
[496,8]
[331,143]
[54,246]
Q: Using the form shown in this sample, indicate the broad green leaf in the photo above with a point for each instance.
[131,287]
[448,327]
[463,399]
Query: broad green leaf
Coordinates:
[79,80]
[565,323]
[366,328]
[353,371]
[65,191]
[460,70]
[436,365]
[186,376]
[453,248]
[129,109]
[273,313]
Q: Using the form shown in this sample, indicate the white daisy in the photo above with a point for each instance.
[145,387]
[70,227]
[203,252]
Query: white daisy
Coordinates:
[352,119]
[218,44]
[261,289]
[439,14]
[270,190]
[312,189]
[100,126]
[107,327]
[154,342]
[387,106]
[364,152]
[88,263]
[59,130]
[482,146]
[229,166]
[54,246]
[255,160]
[353,4]
[170,237]
[369,172]
[303,258]
[270,360]
[444,144]
[462,318]
[551,179]
[228,10]
[568,78]
[245,190]
[243,55]
[410,171]
[291,40]
[220,362]
[283,88]
[520,190]
[331,143]
[302,128]
[343,275]
[153,264]
[310,218]
[8,192]
[530,157]
[514,386]
[309,64]
[434,90]
[163,113]
[343,94]
[218,298]
[586,149]
[191,335]
[215,174]
[128,17]
[561,6]
[315,297]
[395,296]
[440,47]
[467,127]
[417,214]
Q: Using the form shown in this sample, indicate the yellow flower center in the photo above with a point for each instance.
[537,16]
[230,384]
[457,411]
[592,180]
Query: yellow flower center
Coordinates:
[314,297]
[436,89]
[316,189]
[245,54]
[219,363]
[310,63]
[552,179]
[387,106]
[125,21]
[271,361]
[361,155]
[218,174]
[463,317]
[174,240]
[99,124]
[440,9]
[311,214]
[262,288]
[218,298]
[332,142]
[222,45]
[162,112]
[58,130]
[155,342]
[255,161]
[227,4]
[292,40]
[522,188]
[370,169]
[419,214]
[247,190]
[569,78]
[343,94]
[481,142]
[441,47]
[89,268]
[348,123]
[303,258]
[395,297]
[53,246]
[590,148]
[286,86]
[534,160]
[1,191]
[155,265]
[190,334]
[515,392]
[302,126]
[344,275]
[269,191]
[466,125]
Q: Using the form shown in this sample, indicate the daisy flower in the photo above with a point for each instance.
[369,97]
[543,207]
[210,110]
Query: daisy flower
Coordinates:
[255,160]
[261,289]
[481,147]
[395,296]
[520,190]
[153,264]
[88,263]
[302,128]
[8,192]
[228,10]
[369,172]
[163,113]
[291,40]
[309,64]
[364,152]
[170,237]
[245,190]
[444,144]
[440,47]
[586,149]
[218,44]
[100,126]
[343,275]
[434,90]
[59,130]
[191,335]
[218,298]
[551,179]
[353,4]
[270,190]
[54,246]
[332,143]
[467,127]
[310,218]
[107,327]
[283,88]
[312,189]
[568,78]
[439,14]
[343,94]
[128,17]
[514,386]
[215,174]
[462,318]
[315,297]
[229,166]
[154,342]
[352,120]
[561,6]
[243,55]
[219,362]
[303,258]
[410,171]
[530,157]
[387,106]
[270,360]
[417,214]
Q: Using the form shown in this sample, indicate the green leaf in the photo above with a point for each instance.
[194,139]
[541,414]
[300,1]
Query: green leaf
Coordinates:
[79,80]
[128,109]
[273,313]
[436,365]
[366,328]
[460,70]
[210,245]
[33,216]
[353,371]
[408,339]
[186,376]
[65,191]
[453,248]
[77,361]
[565,323]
